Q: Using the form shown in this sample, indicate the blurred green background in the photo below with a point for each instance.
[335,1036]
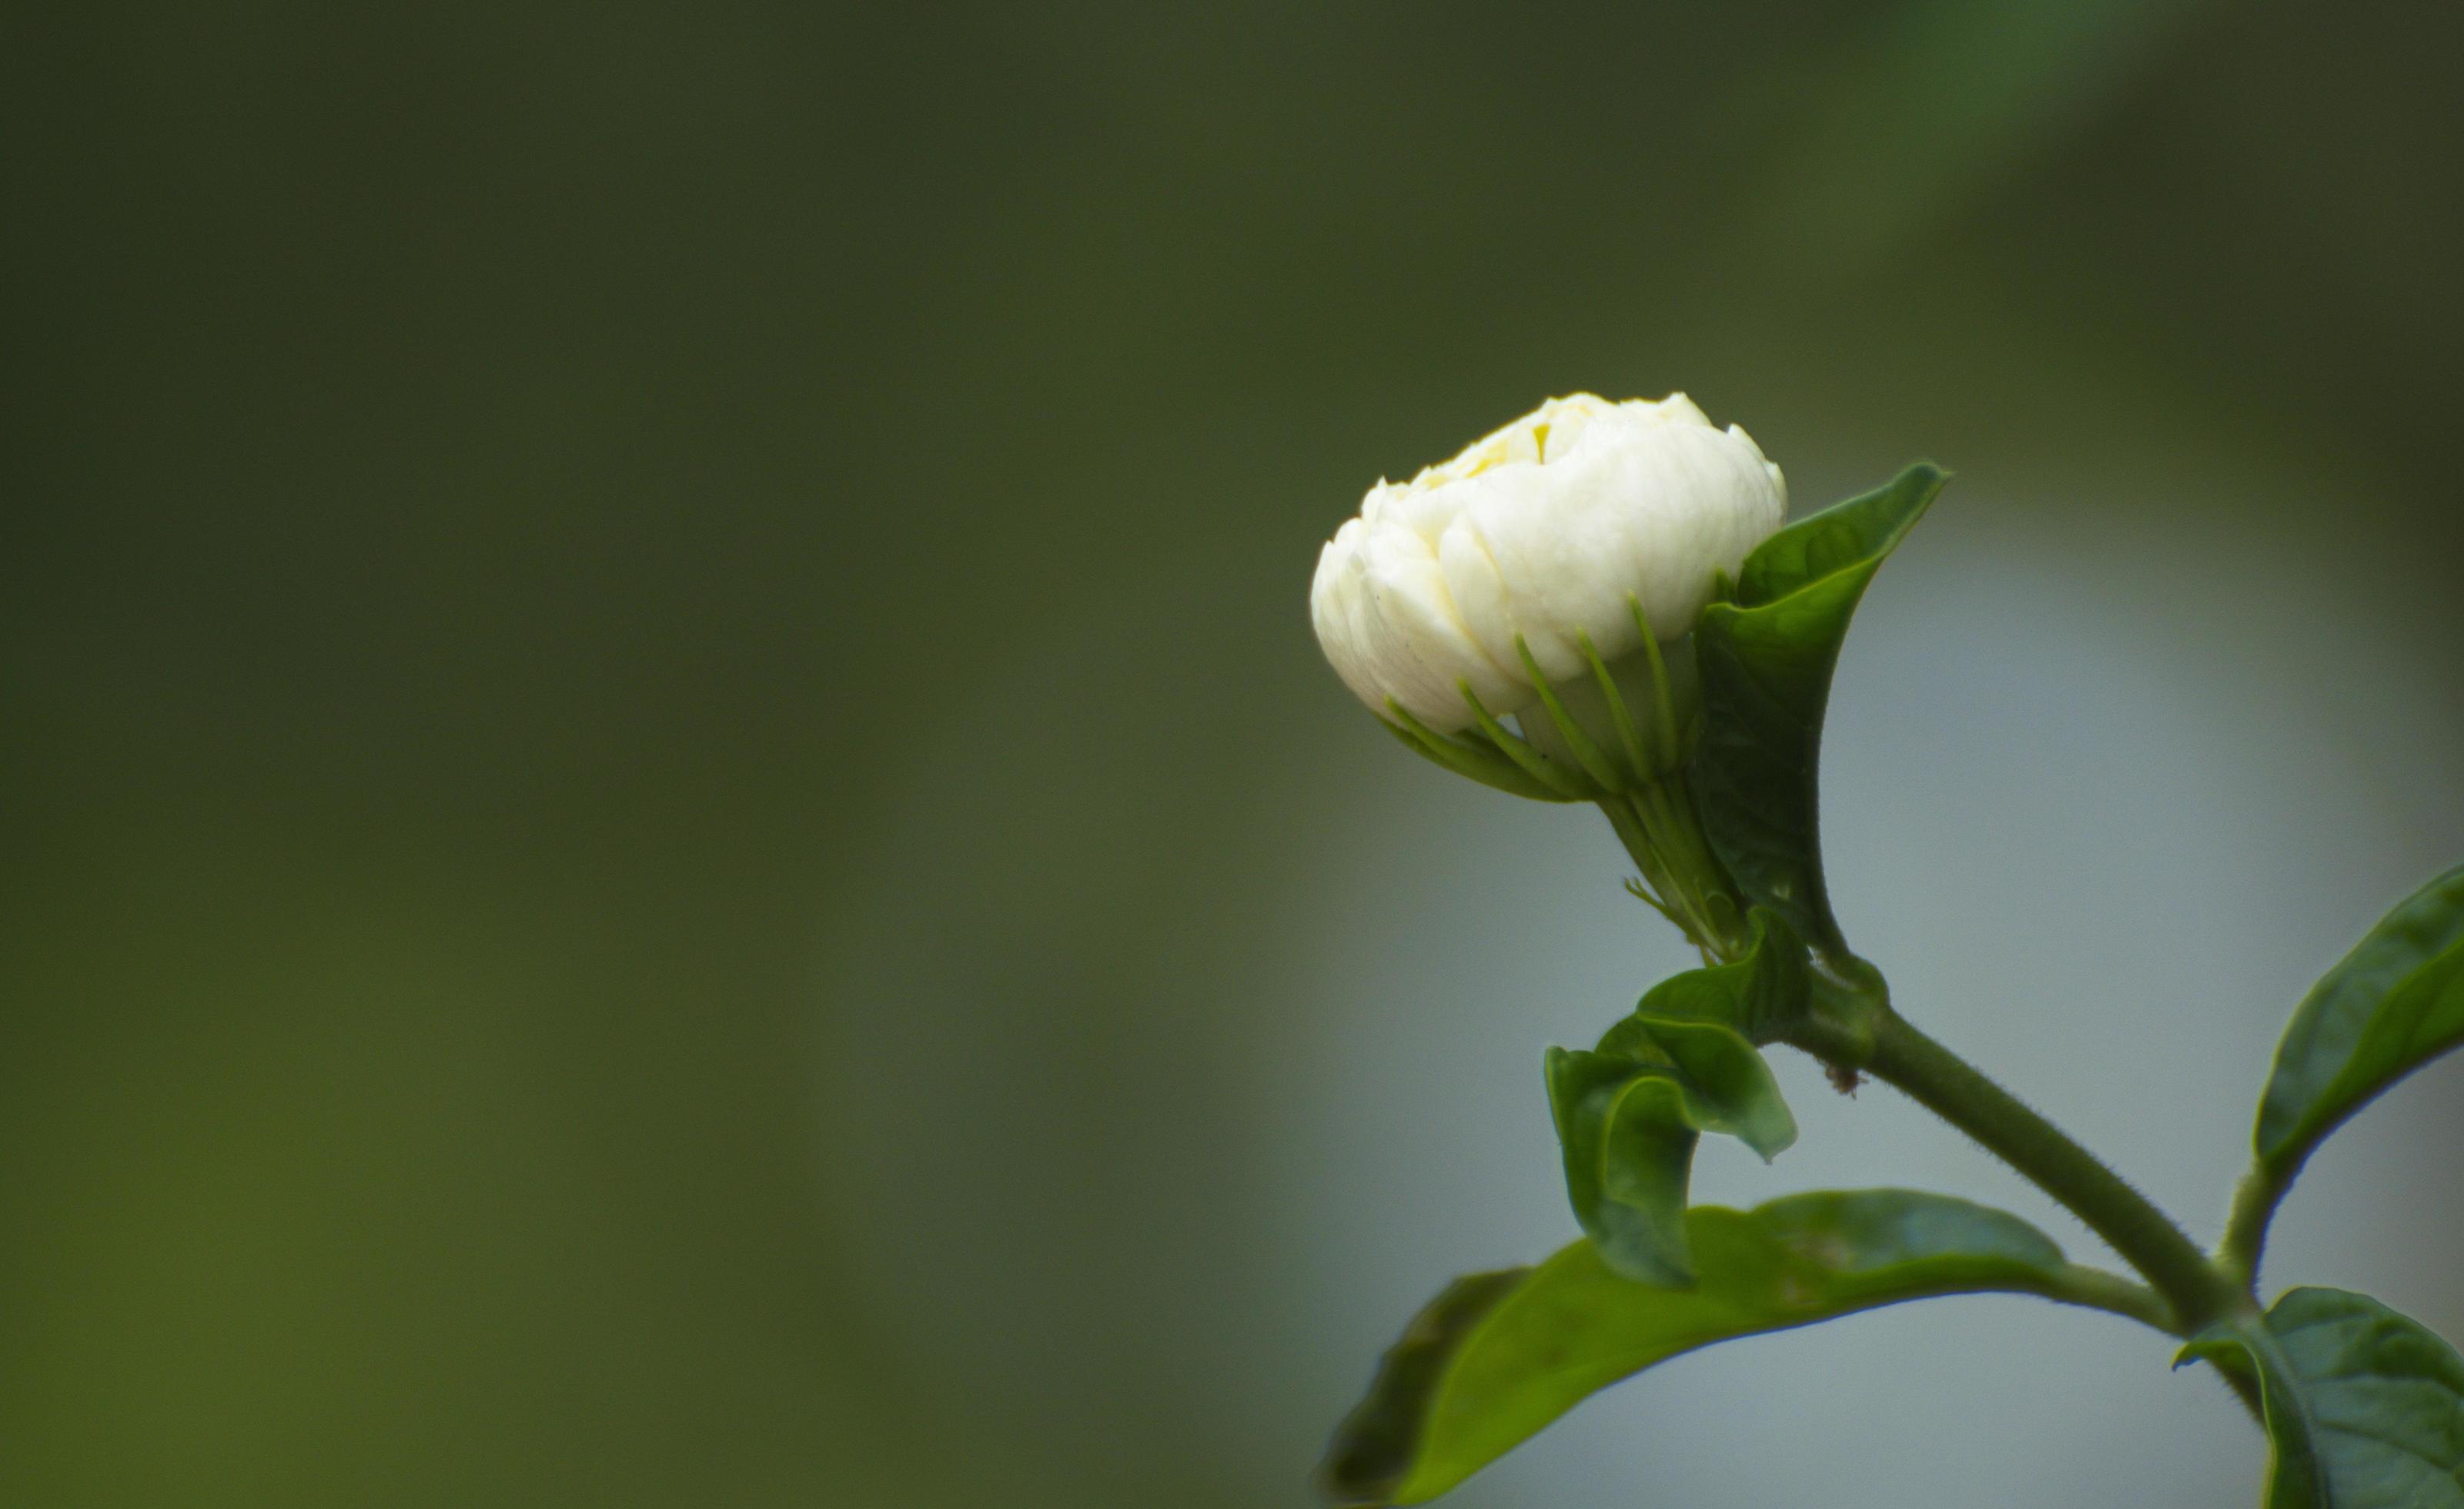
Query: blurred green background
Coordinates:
[671,834]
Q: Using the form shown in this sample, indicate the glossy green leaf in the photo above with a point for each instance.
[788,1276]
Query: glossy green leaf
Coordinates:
[2365,1408]
[1758,996]
[1627,1137]
[1498,1356]
[2395,1001]
[1629,1112]
[1765,662]
[1727,1077]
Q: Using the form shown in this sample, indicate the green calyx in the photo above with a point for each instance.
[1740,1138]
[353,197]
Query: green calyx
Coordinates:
[1682,879]
[1602,735]
[1619,737]
[1622,727]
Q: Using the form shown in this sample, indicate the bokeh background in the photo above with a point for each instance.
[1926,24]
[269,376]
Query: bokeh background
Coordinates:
[671,834]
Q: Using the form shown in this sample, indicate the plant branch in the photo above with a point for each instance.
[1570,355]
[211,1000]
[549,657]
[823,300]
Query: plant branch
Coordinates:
[2095,1289]
[2197,1291]
[2254,1207]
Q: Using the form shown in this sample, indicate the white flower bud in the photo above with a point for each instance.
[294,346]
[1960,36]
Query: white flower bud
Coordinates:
[1551,531]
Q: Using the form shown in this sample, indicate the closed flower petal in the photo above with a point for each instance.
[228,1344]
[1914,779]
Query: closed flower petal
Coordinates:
[1550,531]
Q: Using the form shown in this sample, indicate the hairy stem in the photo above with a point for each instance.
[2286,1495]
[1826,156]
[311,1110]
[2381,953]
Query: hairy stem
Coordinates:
[2245,1238]
[2095,1289]
[2197,1291]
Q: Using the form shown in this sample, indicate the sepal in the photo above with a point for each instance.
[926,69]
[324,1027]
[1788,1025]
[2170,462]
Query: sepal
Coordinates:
[1478,760]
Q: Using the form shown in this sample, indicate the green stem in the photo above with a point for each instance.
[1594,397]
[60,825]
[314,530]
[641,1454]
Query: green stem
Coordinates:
[2098,1290]
[2198,1292]
[2245,1238]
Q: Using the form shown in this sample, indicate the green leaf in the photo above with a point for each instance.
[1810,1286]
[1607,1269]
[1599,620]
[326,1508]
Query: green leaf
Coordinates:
[1765,662]
[1627,1137]
[1628,1115]
[1759,996]
[1847,537]
[1728,1080]
[1498,1356]
[2394,1003]
[2365,1408]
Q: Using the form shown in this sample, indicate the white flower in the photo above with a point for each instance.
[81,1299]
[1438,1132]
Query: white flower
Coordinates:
[1551,531]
